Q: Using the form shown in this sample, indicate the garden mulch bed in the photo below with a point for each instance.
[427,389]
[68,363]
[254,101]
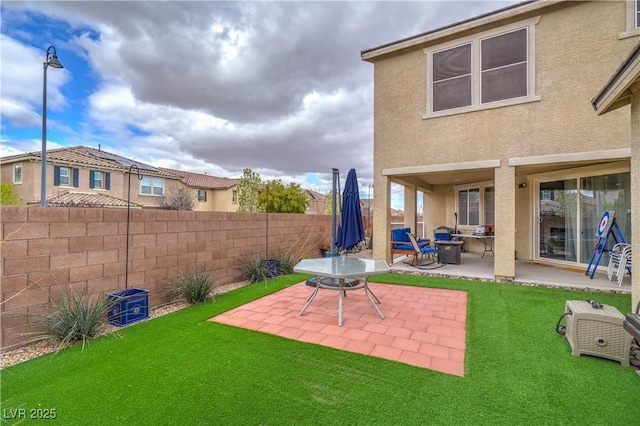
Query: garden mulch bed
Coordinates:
[42,347]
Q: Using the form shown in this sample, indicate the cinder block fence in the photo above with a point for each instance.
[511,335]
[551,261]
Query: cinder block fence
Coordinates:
[45,250]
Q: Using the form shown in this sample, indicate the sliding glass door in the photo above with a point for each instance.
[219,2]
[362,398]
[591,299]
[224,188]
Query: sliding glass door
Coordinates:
[569,212]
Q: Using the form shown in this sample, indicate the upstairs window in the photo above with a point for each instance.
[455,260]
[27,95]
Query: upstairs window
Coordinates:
[637,13]
[152,186]
[486,70]
[452,78]
[99,180]
[234,197]
[202,195]
[504,66]
[65,176]
[17,174]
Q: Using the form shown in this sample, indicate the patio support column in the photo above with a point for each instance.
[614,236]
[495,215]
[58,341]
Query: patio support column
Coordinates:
[410,211]
[382,218]
[635,195]
[505,207]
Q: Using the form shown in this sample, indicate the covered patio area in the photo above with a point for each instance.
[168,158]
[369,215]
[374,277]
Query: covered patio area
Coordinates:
[473,266]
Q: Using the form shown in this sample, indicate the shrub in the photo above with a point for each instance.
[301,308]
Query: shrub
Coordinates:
[253,268]
[287,262]
[73,317]
[194,285]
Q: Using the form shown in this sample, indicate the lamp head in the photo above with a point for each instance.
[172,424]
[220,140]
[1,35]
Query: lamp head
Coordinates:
[54,62]
[52,59]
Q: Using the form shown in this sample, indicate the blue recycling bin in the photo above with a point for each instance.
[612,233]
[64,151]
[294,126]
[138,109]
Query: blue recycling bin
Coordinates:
[128,306]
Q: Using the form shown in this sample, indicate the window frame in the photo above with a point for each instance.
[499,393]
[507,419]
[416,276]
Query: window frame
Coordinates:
[476,69]
[482,206]
[94,174]
[202,199]
[234,196]
[152,186]
[68,177]
[633,16]
[17,167]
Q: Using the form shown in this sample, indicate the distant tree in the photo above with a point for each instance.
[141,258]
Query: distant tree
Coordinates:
[329,204]
[277,198]
[179,199]
[8,197]
[249,186]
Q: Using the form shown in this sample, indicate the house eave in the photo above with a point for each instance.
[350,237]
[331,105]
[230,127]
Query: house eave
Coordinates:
[617,92]
[371,55]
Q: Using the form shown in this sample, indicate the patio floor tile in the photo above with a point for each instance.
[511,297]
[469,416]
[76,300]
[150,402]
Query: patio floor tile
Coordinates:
[423,327]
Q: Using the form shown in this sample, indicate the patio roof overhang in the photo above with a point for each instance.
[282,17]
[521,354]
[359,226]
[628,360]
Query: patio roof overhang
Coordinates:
[425,178]
[428,176]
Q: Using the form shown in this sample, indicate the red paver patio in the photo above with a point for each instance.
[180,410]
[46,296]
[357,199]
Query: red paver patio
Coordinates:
[424,327]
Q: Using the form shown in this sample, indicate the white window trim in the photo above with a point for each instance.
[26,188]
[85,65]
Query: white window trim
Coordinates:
[481,186]
[631,30]
[13,178]
[152,186]
[475,40]
[69,176]
[102,179]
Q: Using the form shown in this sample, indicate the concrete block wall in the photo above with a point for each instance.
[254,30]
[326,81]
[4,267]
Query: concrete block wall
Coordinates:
[45,250]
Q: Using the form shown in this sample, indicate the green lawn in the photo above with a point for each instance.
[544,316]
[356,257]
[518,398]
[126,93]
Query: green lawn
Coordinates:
[182,369]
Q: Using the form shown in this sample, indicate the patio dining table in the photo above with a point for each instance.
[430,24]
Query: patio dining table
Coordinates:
[333,273]
[486,239]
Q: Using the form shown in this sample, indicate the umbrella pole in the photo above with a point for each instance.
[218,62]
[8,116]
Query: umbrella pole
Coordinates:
[336,176]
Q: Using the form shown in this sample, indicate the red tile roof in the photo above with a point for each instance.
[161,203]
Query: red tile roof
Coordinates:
[85,199]
[85,156]
[201,181]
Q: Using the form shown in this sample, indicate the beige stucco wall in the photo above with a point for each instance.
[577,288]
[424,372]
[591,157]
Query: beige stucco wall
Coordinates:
[577,48]
[218,200]
[635,195]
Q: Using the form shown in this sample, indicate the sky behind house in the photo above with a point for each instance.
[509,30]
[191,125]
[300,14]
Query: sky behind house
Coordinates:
[209,87]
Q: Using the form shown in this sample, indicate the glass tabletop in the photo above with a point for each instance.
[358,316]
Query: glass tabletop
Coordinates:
[341,267]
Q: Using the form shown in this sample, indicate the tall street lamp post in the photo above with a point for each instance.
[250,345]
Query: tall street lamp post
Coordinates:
[51,59]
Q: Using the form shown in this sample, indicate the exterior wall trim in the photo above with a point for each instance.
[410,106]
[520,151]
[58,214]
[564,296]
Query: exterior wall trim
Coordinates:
[449,167]
[623,153]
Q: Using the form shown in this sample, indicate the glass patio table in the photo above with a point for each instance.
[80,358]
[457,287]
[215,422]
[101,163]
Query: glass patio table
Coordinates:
[333,273]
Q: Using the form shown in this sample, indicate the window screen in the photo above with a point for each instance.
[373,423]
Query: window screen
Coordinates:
[452,78]
[504,66]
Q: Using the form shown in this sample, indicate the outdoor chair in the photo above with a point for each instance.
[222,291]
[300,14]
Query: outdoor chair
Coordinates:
[401,244]
[422,251]
[625,264]
[619,260]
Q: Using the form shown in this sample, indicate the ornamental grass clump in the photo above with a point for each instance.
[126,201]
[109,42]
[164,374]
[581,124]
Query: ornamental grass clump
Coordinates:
[287,262]
[74,317]
[254,269]
[195,285]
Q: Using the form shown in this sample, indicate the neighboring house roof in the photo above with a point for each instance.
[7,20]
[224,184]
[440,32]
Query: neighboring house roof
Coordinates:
[85,199]
[316,196]
[476,21]
[89,157]
[202,181]
[617,91]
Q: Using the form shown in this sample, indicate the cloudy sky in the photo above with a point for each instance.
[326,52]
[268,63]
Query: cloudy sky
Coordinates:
[208,86]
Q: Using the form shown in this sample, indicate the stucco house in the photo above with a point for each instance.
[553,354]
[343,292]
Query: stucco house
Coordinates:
[491,119]
[81,176]
[219,194]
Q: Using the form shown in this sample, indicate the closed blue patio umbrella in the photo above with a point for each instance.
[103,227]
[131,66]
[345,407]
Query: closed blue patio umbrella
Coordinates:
[351,229]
